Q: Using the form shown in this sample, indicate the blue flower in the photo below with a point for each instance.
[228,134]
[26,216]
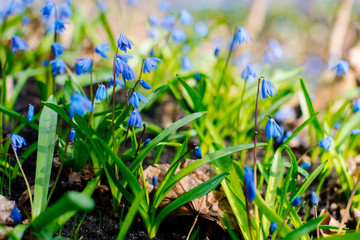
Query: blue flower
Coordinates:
[132,2]
[249,183]
[275,49]
[305,165]
[186,18]
[58,49]
[178,35]
[272,129]
[273,227]
[150,64]
[325,143]
[154,20]
[341,68]
[337,125]
[145,85]
[242,36]
[18,44]
[146,142]
[267,88]
[201,29]
[198,153]
[57,66]
[355,131]
[30,113]
[134,119]
[216,52]
[164,6]
[197,76]
[72,135]
[248,72]
[66,11]
[154,180]
[101,93]
[296,201]
[124,43]
[168,22]
[314,198]
[47,11]
[154,33]
[102,48]
[280,137]
[25,20]
[59,26]
[101,4]
[17,141]
[83,65]
[356,105]
[186,63]
[80,105]
[124,57]
[123,68]
[16,215]
[284,113]
[118,82]
[135,98]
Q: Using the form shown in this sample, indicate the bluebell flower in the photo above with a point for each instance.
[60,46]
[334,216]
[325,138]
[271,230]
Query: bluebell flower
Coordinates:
[337,125]
[248,72]
[134,119]
[201,29]
[16,215]
[17,141]
[341,68]
[268,57]
[58,49]
[124,57]
[267,88]
[66,11]
[197,76]
[124,43]
[59,26]
[284,113]
[355,131]
[241,36]
[154,20]
[47,11]
[102,48]
[18,44]
[178,35]
[249,183]
[27,2]
[272,129]
[325,143]
[168,22]
[57,66]
[314,198]
[273,227]
[72,135]
[154,181]
[216,52]
[25,20]
[102,6]
[146,142]
[80,105]
[186,18]
[83,65]
[118,82]
[30,113]
[124,69]
[280,137]
[135,98]
[356,107]
[296,201]
[164,6]
[101,93]
[275,49]
[145,85]
[150,64]
[198,153]
[186,63]
[305,165]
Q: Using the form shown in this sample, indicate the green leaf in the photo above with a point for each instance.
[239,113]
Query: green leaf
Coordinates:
[195,97]
[346,236]
[13,114]
[304,229]
[345,131]
[57,109]
[81,155]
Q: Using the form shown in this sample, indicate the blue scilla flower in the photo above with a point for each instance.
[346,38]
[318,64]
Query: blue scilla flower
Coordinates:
[249,183]
[57,66]
[273,227]
[342,67]
[58,49]
[135,98]
[198,153]
[30,113]
[242,36]
[146,142]
[150,64]
[186,18]
[83,65]
[267,88]
[164,6]
[123,68]
[201,29]
[18,44]
[101,93]
[124,43]
[178,35]
[272,129]
[314,198]
[154,33]
[66,11]
[16,215]
[197,76]
[296,201]
[59,26]
[124,57]
[305,165]
[118,82]
[216,52]
[80,105]
[186,63]
[356,107]
[284,113]
[280,137]
[144,84]
[154,180]
[47,11]
[154,20]
[134,119]
[325,143]
[25,20]
[337,125]
[102,48]
[72,135]
[275,49]
[17,141]
[355,131]
[168,22]
[248,72]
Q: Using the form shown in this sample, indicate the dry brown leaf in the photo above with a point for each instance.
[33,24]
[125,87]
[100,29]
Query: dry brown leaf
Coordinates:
[5,210]
[328,220]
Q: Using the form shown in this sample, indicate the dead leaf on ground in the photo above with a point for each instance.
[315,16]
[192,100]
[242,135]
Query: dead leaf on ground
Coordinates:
[6,207]
[329,220]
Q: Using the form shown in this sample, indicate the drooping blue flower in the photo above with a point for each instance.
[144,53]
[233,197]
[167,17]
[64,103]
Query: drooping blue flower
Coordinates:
[57,66]
[154,20]
[355,131]
[80,105]
[216,52]
[242,36]
[16,215]
[186,63]
[27,3]
[17,141]
[325,143]
[72,135]
[25,20]
[58,49]
[186,18]
[267,88]
[305,165]
[275,49]
[128,73]
[356,107]
[164,6]
[146,142]
[296,201]
[141,97]
[150,64]
[18,44]
[284,113]
[178,35]
[154,33]
[198,153]
[47,11]
[314,198]
[154,181]
[197,76]
[102,48]
[59,26]
[124,57]
[83,65]
[118,82]
[101,93]
[66,11]
[135,98]
[337,125]
[168,22]
[30,113]
[248,72]
[342,67]
[201,29]
[280,137]
[144,84]
[272,129]
[273,227]
[124,43]
[134,119]
[249,183]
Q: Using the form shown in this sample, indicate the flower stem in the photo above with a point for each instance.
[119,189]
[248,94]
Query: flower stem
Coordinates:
[282,224]
[317,226]
[133,89]
[140,140]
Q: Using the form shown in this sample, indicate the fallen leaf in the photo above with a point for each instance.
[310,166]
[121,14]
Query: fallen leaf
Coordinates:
[328,220]
[6,207]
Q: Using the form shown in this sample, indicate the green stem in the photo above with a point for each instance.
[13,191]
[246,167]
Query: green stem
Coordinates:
[113,100]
